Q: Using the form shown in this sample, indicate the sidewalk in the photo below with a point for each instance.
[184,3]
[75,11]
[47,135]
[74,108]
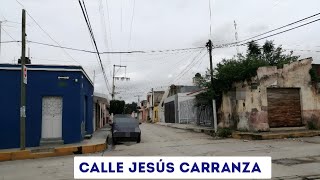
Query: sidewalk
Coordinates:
[274,133]
[96,143]
[190,127]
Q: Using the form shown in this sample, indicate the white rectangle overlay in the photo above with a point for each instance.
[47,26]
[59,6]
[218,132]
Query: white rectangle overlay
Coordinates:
[169,167]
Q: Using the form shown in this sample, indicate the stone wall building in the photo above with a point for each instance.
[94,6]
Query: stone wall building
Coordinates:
[273,98]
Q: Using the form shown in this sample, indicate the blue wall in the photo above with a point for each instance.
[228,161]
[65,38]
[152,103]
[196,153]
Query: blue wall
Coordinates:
[43,83]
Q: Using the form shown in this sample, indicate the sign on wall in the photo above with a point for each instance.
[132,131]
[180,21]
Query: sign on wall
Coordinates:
[25,74]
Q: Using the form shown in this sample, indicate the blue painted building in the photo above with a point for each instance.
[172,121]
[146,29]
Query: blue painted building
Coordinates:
[59,104]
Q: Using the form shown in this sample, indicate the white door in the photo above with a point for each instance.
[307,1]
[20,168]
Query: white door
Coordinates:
[51,117]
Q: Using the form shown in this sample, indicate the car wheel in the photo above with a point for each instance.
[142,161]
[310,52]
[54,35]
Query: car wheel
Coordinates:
[139,139]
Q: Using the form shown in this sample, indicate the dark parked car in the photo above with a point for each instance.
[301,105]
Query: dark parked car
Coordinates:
[125,128]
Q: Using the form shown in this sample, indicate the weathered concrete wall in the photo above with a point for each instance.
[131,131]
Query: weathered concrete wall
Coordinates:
[246,107]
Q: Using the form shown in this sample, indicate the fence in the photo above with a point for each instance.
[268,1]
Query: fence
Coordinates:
[187,112]
[204,115]
[191,114]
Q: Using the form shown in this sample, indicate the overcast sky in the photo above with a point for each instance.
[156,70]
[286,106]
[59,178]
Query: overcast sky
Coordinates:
[156,25]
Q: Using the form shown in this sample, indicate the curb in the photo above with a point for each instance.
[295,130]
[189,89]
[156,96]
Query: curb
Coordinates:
[277,135]
[60,151]
[198,130]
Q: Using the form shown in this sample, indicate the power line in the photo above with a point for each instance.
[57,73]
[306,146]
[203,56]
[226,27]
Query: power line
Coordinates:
[235,44]
[132,17]
[20,4]
[191,62]
[104,26]
[62,47]
[210,17]
[48,34]
[13,40]
[303,50]
[105,33]
[150,51]
[4,42]
[8,34]
[287,30]
[187,69]
[109,22]
[195,62]
[279,28]
[86,17]
[113,52]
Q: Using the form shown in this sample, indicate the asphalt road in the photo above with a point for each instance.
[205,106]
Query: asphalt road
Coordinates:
[292,158]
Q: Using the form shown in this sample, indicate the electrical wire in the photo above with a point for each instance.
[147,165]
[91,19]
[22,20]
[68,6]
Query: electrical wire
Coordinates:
[287,25]
[114,52]
[132,17]
[4,42]
[243,44]
[13,40]
[109,23]
[210,17]
[281,27]
[45,32]
[105,33]
[191,62]
[87,20]
[286,30]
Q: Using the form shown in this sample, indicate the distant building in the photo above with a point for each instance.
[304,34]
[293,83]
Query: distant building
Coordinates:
[59,105]
[153,100]
[176,95]
[101,107]
[143,112]
[286,97]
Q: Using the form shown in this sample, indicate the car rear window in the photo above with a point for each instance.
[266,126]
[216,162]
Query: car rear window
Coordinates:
[126,121]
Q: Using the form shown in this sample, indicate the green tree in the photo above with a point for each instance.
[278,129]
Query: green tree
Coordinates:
[241,68]
[117,106]
[129,108]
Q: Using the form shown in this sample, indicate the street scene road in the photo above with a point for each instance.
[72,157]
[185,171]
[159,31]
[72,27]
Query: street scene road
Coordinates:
[292,158]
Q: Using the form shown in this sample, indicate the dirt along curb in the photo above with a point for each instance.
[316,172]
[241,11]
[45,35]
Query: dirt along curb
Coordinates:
[52,152]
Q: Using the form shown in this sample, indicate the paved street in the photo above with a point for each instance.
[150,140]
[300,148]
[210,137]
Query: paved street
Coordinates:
[293,158]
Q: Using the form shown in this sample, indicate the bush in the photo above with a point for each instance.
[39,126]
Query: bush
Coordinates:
[224,132]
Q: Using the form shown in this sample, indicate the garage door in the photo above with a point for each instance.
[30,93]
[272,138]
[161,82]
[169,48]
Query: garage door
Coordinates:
[51,117]
[169,111]
[284,109]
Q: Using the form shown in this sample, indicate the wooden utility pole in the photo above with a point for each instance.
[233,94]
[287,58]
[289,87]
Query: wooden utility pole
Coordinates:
[214,120]
[112,94]
[23,84]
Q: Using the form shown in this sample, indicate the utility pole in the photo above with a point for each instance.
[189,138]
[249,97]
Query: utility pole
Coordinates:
[214,120]
[114,78]
[23,84]
[138,104]
[112,94]
[152,98]
[236,35]
[152,104]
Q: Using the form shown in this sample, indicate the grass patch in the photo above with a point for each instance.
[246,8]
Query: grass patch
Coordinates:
[224,132]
